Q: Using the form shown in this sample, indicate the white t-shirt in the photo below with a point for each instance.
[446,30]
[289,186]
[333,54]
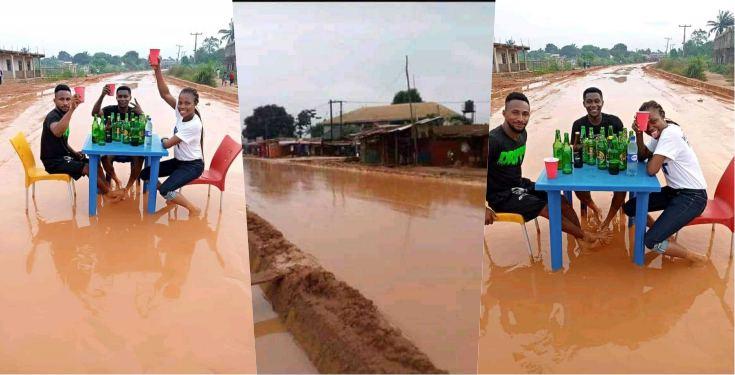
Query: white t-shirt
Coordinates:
[681,167]
[190,133]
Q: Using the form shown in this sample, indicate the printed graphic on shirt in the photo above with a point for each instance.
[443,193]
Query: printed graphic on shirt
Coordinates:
[512,157]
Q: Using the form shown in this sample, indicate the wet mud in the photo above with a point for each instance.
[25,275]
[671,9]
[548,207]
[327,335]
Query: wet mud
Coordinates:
[405,243]
[602,313]
[124,291]
[339,329]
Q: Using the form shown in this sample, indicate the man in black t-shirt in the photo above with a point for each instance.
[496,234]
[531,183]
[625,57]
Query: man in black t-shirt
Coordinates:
[507,190]
[594,122]
[56,154]
[123,107]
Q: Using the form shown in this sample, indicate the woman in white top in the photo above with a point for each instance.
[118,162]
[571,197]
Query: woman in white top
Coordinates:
[188,163]
[684,197]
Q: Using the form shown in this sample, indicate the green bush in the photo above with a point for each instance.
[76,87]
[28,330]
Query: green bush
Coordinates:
[201,73]
[725,70]
[695,68]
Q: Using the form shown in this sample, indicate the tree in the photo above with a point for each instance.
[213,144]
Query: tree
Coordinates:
[619,52]
[81,58]
[211,45]
[510,42]
[404,96]
[303,121]
[64,56]
[228,35]
[569,50]
[551,48]
[724,20]
[269,121]
[316,131]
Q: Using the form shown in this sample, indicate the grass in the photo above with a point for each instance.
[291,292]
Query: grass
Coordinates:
[202,73]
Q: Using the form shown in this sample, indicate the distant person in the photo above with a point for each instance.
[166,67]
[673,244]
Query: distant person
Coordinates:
[232,78]
[224,78]
[594,121]
[507,190]
[1,76]
[685,195]
[57,155]
[123,94]
[187,142]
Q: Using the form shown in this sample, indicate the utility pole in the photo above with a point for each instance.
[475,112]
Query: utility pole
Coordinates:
[195,45]
[667,45]
[684,39]
[331,121]
[178,54]
[413,122]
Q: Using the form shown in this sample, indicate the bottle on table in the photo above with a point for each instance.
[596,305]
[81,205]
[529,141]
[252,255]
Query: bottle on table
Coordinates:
[148,132]
[108,131]
[601,148]
[632,156]
[613,160]
[582,144]
[558,146]
[566,156]
[577,156]
[141,129]
[126,130]
[589,148]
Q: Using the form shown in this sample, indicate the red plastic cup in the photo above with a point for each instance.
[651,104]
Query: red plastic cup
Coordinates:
[153,56]
[641,118]
[111,89]
[79,90]
[551,165]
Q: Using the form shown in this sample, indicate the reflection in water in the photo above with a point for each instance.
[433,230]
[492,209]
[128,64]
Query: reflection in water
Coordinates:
[602,313]
[406,243]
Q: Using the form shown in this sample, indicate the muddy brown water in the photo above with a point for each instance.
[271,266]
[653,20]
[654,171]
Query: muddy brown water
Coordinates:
[406,243]
[602,313]
[123,291]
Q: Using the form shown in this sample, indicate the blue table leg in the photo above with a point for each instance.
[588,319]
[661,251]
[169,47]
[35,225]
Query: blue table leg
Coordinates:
[94,161]
[146,163]
[152,182]
[555,229]
[631,195]
[641,213]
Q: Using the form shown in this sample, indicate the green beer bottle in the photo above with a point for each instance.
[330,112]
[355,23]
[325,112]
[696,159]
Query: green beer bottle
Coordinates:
[601,148]
[141,129]
[589,148]
[100,133]
[623,150]
[558,148]
[582,143]
[134,132]
[613,156]
[566,156]
[126,130]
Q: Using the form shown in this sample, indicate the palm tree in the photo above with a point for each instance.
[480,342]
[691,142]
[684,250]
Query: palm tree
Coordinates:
[724,20]
[228,35]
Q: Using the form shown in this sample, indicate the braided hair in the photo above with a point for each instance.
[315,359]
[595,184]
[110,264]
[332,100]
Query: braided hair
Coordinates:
[653,105]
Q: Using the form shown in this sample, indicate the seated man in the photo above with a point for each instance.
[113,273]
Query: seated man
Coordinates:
[56,154]
[123,107]
[507,190]
[594,121]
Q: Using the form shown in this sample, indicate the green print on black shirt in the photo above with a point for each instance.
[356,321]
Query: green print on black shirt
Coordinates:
[512,157]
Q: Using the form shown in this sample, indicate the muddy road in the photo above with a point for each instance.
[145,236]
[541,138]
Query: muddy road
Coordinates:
[603,313]
[411,245]
[123,291]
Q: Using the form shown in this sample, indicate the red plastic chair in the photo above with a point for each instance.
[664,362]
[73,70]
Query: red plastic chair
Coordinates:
[720,209]
[226,153]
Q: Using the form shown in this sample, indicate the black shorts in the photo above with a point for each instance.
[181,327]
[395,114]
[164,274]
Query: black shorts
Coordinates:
[66,165]
[524,200]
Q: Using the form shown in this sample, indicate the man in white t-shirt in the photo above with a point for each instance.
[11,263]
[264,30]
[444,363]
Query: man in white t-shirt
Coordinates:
[684,197]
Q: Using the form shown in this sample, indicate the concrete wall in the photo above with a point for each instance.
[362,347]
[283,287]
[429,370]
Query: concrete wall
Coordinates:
[21,66]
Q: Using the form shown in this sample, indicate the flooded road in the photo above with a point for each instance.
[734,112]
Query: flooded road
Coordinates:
[602,313]
[123,291]
[406,243]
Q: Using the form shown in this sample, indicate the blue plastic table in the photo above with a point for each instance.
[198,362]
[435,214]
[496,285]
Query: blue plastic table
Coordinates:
[152,154]
[589,178]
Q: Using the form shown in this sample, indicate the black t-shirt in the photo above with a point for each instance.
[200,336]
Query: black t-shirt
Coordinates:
[53,147]
[114,109]
[504,159]
[607,120]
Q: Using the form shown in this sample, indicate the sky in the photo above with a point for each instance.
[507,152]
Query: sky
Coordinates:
[109,26]
[636,23]
[301,55]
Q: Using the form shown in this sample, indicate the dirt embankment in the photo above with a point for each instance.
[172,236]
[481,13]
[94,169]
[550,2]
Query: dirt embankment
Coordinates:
[340,330]
[463,175]
[17,96]
[503,84]
[718,90]
[224,94]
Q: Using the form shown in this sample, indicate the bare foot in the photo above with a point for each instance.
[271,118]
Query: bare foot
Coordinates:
[696,259]
[193,211]
[114,196]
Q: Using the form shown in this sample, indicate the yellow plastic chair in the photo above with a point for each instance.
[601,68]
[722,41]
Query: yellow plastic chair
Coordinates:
[516,218]
[35,174]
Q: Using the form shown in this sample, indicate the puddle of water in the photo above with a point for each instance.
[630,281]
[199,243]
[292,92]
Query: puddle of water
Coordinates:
[535,85]
[603,313]
[406,243]
[123,291]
